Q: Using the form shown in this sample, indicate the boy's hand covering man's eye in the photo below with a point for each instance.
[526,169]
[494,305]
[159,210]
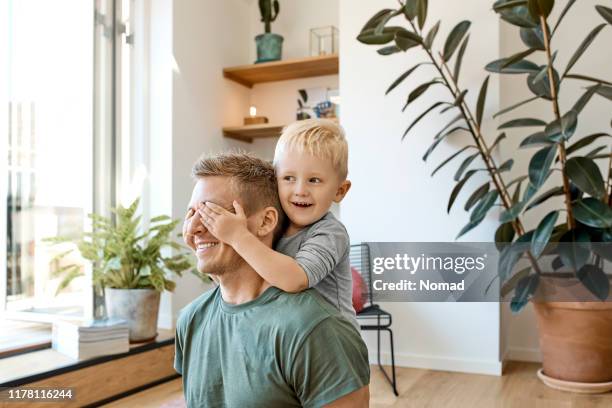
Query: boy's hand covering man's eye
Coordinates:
[224,225]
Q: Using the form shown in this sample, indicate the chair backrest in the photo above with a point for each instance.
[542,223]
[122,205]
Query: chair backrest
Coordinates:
[359,258]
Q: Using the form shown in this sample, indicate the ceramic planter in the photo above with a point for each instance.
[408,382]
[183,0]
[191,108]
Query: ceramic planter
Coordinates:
[139,307]
[575,340]
[269,47]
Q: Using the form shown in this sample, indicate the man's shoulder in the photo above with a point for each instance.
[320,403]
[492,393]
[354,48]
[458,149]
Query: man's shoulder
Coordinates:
[195,306]
[302,312]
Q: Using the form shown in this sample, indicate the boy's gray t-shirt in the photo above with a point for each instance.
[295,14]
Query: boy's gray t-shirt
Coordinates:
[322,250]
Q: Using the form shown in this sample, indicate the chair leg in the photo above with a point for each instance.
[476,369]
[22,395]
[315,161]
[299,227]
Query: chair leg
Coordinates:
[392,381]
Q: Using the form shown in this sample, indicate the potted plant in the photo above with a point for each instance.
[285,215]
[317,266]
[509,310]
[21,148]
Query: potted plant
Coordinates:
[574,336]
[129,264]
[269,45]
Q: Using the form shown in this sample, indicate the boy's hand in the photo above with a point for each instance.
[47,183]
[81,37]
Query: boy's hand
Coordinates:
[224,225]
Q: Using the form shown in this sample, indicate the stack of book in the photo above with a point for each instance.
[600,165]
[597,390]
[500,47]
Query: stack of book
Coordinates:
[83,339]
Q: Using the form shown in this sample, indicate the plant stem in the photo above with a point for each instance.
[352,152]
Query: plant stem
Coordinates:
[571,224]
[483,149]
[609,182]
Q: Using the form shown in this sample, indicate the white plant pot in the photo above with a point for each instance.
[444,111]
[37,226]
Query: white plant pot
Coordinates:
[139,307]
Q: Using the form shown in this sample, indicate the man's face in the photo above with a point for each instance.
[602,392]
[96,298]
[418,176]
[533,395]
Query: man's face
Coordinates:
[214,256]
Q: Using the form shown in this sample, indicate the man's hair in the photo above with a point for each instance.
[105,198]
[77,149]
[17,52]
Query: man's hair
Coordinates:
[317,137]
[252,179]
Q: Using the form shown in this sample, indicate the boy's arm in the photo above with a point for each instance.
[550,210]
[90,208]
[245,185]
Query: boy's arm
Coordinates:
[275,268]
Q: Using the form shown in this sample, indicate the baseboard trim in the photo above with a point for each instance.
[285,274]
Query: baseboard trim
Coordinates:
[471,366]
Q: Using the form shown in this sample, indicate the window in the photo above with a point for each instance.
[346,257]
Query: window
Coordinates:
[65,102]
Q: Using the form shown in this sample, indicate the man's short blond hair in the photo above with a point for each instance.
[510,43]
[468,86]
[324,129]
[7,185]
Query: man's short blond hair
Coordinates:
[251,178]
[318,137]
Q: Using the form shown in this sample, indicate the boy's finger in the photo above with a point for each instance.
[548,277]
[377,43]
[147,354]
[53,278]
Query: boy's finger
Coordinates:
[238,208]
[205,211]
[216,208]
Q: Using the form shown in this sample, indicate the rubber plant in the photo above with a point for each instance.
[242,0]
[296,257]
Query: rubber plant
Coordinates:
[123,255]
[587,196]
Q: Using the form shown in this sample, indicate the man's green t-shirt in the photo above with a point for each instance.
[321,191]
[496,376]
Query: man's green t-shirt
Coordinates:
[279,350]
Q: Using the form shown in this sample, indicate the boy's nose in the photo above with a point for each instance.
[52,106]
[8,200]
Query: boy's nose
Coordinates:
[300,189]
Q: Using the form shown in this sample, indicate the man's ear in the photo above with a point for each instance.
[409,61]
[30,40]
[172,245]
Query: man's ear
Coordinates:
[267,221]
[345,186]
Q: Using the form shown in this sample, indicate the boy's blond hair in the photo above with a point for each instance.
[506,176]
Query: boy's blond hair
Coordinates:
[318,137]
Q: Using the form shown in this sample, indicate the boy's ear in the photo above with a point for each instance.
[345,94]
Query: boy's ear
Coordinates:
[342,190]
[267,221]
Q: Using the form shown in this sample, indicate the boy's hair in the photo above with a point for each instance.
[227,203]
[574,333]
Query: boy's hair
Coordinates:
[252,179]
[318,137]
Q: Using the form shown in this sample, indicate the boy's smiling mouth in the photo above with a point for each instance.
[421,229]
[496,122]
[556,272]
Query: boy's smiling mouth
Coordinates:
[301,204]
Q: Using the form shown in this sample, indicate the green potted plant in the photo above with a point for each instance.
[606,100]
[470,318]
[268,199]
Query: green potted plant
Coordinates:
[269,45]
[129,264]
[574,336]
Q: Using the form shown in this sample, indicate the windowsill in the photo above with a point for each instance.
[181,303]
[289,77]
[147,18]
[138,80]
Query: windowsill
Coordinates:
[36,365]
[18,337]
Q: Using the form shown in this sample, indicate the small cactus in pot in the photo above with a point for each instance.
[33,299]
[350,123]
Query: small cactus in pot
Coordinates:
[269,45]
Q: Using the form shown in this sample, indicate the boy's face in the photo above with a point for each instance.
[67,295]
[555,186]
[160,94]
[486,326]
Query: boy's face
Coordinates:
[307,186]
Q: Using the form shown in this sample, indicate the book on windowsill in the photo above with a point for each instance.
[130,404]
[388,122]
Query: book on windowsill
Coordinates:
[84,339]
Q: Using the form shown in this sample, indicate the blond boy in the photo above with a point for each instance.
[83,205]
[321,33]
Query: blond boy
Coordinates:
[311,168]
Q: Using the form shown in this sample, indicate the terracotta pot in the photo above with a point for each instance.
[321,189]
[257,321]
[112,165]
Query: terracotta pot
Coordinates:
[576,340]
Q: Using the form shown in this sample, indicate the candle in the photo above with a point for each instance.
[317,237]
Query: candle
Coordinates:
[253,111]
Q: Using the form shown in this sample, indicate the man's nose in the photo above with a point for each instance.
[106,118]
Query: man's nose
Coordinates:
[195,225]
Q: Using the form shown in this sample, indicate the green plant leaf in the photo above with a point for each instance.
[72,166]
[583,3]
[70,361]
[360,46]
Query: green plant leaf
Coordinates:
[592,212]
[525,288]
[540,164]
[593,153]
[605,91]
[516,180]
[605,12]
[410,9]
[583,47]
[464,165]
[418,91]
[503,5]
[533,38]
[519,56]
[542,234]
[422,12]
[373,22]
[482,97]
[431,36]
[569,5]
[511,253]
[505,166]
[595,280]
[451,157]
[498,139]
[405,39]
[588,78]
[421,116]
[480,212]
[384,20]
[516,105]
[368,37]
[575,249]
[391,49]
[584,99]
[584,173]
[477,195]
[460,98]
[457,189]
[504,234]
[517,193]
[520,67]
[553,192]
[402,77]
[454,39]
[459,58]
[539,8]
[522,122]
[515,12]
[513,212]
[563,129]
[539,83]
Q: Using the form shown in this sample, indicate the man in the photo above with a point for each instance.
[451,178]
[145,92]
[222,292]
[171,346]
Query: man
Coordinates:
[245,343]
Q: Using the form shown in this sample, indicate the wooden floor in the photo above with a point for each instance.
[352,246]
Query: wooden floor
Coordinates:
[518,387]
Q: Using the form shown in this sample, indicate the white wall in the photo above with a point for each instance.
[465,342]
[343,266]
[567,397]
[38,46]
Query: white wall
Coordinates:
[521,330]
[393,197]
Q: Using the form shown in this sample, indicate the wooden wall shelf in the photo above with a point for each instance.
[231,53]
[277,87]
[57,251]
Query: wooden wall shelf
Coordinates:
[249,132]
[248,75]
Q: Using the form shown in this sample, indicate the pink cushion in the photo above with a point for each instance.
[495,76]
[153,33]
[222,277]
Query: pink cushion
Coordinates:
[359,291]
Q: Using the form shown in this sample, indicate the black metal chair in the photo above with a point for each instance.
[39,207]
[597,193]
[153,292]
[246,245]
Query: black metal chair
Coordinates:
[372,317]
